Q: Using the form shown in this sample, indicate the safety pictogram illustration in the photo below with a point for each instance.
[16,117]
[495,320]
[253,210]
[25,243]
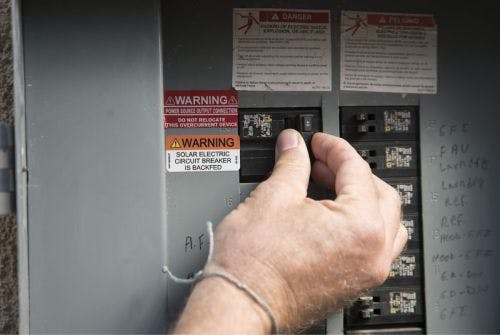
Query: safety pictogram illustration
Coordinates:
[358,23]
[175,144]
[249,21]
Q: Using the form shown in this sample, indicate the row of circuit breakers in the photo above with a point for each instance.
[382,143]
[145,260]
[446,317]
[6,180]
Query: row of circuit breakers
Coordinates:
[387,138]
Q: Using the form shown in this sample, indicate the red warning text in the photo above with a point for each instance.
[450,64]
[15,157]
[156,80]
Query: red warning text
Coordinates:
[294,16]
[401,20]
[200,109]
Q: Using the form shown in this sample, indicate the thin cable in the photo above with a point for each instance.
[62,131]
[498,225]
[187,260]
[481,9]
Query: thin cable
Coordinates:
[251,293]
[200,275]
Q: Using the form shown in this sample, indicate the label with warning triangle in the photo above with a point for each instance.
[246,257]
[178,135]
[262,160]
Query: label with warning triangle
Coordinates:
[201,109]
[202,153]
[282,49]
[388,52]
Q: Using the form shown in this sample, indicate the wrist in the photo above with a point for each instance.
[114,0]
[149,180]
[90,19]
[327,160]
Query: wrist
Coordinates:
[265,283]
[217,306]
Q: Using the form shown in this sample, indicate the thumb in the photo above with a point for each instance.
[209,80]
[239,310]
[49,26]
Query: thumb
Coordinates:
[292,167]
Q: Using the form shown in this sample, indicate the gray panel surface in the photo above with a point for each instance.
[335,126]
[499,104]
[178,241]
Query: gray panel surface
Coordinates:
[194,59]
[96,192]
[469,81]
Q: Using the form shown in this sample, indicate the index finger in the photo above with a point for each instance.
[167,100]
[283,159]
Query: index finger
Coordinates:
[350,173]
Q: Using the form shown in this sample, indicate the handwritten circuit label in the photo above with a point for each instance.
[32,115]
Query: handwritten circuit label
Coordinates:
[461,232]
[202,153]
[200,109]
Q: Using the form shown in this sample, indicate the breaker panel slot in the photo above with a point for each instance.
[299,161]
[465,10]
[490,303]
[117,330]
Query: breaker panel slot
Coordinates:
[409,191]
[412,224]
[373,123]
[387,331]
[387,137]
[390,159]
[387,305]
[406,269]
[258,129]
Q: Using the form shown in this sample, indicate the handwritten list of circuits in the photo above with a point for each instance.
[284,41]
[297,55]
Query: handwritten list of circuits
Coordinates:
[461,250]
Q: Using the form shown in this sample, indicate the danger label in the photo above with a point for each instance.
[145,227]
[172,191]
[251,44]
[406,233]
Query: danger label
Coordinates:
[202,153]
[281,49]
[200,109]
[388,52]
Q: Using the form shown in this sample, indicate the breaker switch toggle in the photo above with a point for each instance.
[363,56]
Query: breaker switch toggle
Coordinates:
[361,117]
[306,123]
[366,313]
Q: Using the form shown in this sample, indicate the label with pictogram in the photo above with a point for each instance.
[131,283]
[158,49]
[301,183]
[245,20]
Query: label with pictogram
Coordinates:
[200,109]
[388,52]
[282,49]
[202,153]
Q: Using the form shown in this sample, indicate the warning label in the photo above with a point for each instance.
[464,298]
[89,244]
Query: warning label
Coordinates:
[281,50]
[201,153]
[200,109]
[388,52]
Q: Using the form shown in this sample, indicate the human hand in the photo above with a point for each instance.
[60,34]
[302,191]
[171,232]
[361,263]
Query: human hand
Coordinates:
[306,257]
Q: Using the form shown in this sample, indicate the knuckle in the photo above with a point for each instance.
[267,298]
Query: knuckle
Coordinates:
[403,237]
[341,153]
[405,234]
[330,204]
[395,197]
[343,144]
[380,272]
[372,233]
[365,165]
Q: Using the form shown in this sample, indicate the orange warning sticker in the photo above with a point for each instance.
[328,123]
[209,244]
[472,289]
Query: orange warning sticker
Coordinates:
[202,153]
[202,142]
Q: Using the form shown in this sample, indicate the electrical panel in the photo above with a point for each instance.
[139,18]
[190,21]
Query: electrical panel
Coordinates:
[437,150]
[388,139]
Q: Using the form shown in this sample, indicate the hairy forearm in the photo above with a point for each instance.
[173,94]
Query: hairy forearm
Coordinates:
[218,307]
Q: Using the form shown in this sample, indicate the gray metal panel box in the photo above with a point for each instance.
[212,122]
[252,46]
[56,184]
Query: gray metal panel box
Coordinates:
[98,198]
[96,191]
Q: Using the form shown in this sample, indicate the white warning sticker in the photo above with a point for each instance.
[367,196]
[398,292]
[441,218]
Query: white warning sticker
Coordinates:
[281,50]
[388,52]
[202,153]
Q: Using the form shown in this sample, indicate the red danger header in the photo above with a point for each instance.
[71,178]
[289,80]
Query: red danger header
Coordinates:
[401,20]
[200,98]
[294,17]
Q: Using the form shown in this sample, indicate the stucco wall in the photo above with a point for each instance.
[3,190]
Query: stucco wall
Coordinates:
[8,254]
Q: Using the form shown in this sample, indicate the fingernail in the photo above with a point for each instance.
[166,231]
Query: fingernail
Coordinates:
[286,140]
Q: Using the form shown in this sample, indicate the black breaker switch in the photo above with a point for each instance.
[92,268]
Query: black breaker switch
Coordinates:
[258,129]
[306,123]
[372,123]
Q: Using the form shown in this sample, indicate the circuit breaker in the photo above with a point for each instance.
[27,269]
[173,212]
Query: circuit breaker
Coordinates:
[387,137]
[259,128]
